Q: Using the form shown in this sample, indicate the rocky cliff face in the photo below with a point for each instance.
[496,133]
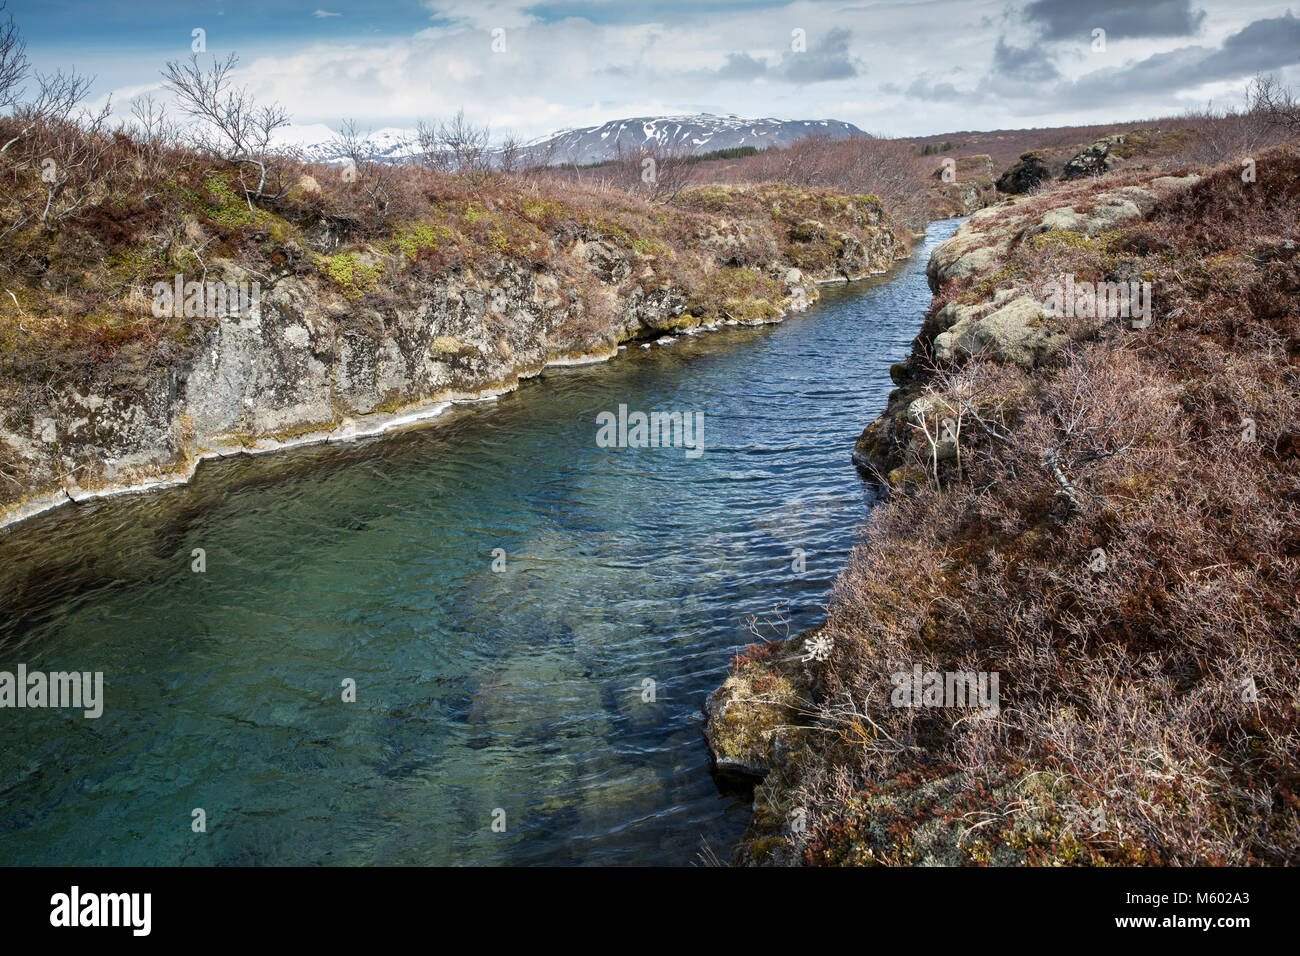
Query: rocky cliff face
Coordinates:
[311,362]
[963,185]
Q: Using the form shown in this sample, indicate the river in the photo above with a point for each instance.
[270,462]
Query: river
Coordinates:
[545,710]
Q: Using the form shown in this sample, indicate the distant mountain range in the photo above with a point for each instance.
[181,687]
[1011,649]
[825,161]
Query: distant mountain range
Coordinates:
[695,134]
[702,133]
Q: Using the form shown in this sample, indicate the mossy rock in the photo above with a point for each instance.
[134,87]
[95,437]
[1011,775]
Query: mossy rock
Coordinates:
[753,717]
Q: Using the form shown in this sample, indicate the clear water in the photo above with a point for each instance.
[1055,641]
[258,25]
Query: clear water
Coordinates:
[521,690]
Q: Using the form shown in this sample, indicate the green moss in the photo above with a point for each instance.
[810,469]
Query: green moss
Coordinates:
[280,230]
[716,198]
[614,230]
[349,275]
[986,288]
[540,210]
[650,249]
[1102,247]
[680,323]
[221,200]
[131,264]
[410,238]
[741,294]
[225,206]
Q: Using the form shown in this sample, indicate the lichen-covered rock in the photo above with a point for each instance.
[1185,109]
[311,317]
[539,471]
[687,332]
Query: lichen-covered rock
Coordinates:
[984,239]
[1093,160]
[1108,210]
[967,253]
[1030,171]
[754,717]
[1020,332]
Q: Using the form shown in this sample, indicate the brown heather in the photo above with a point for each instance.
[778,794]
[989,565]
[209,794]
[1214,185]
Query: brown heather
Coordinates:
[1149,712]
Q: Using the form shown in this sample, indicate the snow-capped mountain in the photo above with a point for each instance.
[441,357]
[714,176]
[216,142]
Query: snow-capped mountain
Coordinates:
[319,144]
[698,133]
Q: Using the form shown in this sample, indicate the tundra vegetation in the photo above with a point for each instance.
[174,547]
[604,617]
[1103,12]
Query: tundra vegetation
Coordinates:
[1110,523]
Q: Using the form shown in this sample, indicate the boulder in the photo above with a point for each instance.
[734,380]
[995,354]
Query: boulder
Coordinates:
[1094,160]
[752,719]
[1019,332]
[1025,175]
[965,254]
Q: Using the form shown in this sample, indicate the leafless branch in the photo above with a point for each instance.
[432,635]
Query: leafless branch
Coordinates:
[232,125]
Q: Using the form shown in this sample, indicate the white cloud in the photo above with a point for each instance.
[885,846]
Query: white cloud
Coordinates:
[484,14]
[576,72]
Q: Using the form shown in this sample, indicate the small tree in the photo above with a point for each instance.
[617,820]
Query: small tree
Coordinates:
[369,174]
[66,154]
[232,126]
[13,61]
[456,146]
[57,97]
[512,155]
[155,132]
[1277,103]
[664,170]
[76,159]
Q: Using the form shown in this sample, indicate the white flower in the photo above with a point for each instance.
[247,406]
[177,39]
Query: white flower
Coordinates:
[818,648]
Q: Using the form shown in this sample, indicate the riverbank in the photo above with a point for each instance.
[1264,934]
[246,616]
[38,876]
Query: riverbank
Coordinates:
[354,329]
[1099,511]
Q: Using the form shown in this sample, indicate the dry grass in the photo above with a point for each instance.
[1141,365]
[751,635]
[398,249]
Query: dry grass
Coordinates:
[1149,711]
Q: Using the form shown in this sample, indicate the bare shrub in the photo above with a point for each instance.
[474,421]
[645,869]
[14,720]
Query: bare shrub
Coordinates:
[1138,599]
[366,172]
[1276,103]
[887,169]
[456,146]
[232,125]
[13,61]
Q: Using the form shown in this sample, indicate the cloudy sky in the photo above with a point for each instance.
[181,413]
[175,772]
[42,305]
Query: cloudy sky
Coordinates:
[905,67]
